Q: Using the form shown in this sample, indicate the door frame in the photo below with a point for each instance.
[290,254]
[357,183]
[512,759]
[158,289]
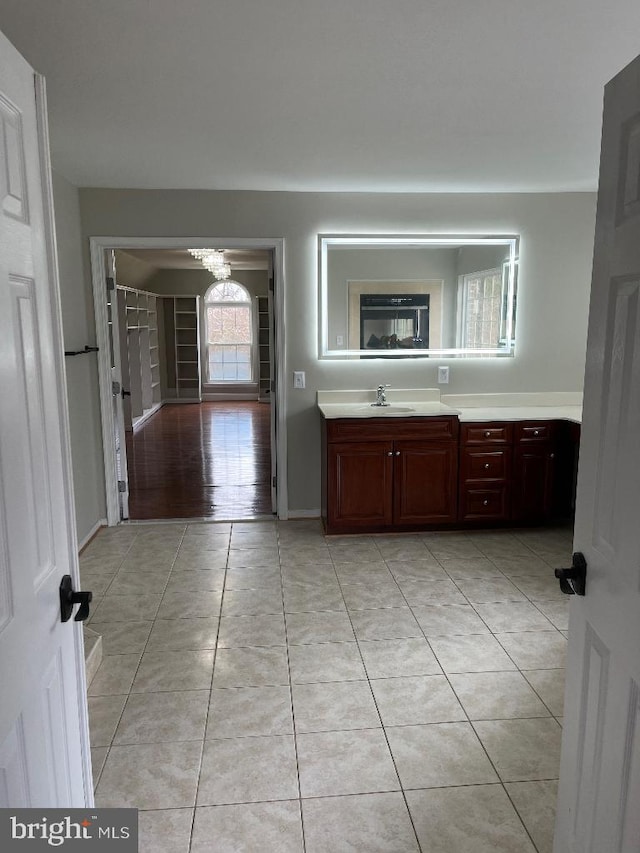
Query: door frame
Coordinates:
[97,246]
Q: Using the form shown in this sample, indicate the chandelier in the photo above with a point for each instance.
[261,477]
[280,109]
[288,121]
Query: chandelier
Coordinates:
[213,260]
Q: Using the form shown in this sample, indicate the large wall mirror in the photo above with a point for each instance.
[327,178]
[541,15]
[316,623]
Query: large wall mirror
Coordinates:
[417,296]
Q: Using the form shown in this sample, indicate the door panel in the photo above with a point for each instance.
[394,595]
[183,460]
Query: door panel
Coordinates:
[600,764]
[425,483]
[43,717]
[359,483]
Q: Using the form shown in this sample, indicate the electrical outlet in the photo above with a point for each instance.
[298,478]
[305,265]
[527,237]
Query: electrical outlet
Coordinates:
[299,379]
[339,340]
[443,375]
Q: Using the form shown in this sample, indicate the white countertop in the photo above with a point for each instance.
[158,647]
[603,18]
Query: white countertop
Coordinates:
[426,402]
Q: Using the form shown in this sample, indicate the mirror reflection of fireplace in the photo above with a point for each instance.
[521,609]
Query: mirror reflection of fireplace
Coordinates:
[394,322]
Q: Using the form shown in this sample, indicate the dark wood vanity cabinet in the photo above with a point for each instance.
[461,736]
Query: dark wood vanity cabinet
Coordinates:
[406,473]
[389,473]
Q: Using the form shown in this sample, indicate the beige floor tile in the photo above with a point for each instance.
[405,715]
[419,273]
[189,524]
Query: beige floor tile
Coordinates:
[375,823]
[415,700]
[304,554]
[264,578]
[97,582]
[536,804]
[137,583]
[326,662]
[252,602]
[104,714]
[165,831]
[318,574]
[451,546]
[195,581]
[174,670]
[144,560]
[239,631]
[557,612]
[345,762]
[334,706]
[470,653]
[513,616]
[424,569]
[357,550]
[463,568]
[249,711]
[473,819]
[455,756]
[183,634]
[361,596]
[125,608]
[251,667]
[98,758]
[431,592]
[522,750]
[535,649]
[363,573]
[497,696]
[254,539]
[385,624]
[248,769]
[393,548]
[266,827]
[253,558]
[150,776]
[163,717]
[184,604]
[308,597]
[115,675]
[549,685]
[487,590]
[201,561]
[448,620]
[394,658]
[540,587]
[523,567]
[122,638]
[322,627]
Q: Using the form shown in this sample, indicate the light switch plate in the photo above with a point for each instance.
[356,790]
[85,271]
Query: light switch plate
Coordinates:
[299,379]
[443,375]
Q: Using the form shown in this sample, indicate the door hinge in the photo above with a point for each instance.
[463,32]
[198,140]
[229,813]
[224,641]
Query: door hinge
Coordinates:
[110,284]
[274,481]
[115,389]
[271,285]
[122,486]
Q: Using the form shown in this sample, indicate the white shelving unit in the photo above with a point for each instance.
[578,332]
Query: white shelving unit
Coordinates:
[182,340]
[264,353]
[139,354]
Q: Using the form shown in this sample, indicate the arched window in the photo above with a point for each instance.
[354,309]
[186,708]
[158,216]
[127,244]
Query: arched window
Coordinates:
[229,329]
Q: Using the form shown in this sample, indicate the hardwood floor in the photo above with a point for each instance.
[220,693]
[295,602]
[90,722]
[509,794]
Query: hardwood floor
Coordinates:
[208,460]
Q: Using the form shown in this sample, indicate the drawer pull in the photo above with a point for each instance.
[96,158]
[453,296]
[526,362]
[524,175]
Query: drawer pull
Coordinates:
[485,502]
[552,456]
[390,453]
[487,434]
[536,432]
[486,465]
[397,453]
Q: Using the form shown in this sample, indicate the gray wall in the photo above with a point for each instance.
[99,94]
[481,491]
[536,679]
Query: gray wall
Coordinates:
[82,374]
[555,271]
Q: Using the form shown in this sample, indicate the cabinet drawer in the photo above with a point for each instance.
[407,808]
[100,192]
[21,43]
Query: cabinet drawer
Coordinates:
[485,464]
[484,503]
[381,429]
[487,433]
[534,431]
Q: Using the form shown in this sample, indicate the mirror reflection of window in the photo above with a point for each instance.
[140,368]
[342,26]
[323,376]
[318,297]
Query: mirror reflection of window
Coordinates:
[229,329]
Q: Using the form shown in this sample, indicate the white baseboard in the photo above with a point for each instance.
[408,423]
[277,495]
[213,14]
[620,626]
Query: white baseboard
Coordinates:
[101,522]
[228,398]
[176,401]
[145,417]
[304,513]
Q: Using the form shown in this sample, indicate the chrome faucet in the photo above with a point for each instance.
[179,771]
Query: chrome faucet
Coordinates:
[381,396]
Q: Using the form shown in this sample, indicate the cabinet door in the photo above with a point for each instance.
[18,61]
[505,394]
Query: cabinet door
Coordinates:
[533,482]
[425,482]
[359,484]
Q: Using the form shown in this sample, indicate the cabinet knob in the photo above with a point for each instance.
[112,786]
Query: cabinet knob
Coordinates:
[536,432]
[390,453]
[486,465]
[485,503]
[487,434]
[397,453]
[552,456]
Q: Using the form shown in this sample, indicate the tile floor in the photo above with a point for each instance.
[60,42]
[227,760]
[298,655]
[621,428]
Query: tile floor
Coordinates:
[265,688]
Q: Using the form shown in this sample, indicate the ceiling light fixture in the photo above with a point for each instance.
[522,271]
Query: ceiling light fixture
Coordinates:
[213,260]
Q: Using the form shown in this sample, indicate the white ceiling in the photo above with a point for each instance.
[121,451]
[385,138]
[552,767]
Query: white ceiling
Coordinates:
[358,95]
[180,259]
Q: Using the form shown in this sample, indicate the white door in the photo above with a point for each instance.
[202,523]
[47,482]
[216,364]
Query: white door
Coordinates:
[44,756]
[599,800]
[121,393]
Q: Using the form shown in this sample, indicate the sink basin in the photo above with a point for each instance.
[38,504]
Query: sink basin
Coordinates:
[390,409]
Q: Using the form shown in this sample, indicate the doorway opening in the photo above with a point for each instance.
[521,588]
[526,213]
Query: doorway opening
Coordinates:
[188,367]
